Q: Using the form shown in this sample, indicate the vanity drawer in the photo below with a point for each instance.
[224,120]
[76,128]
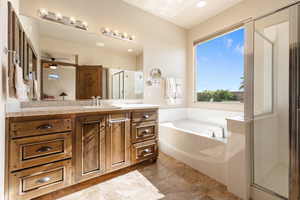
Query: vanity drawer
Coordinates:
[143,131]
[34,182]
[142,116]
[39,127]
[33,151]
[143,151]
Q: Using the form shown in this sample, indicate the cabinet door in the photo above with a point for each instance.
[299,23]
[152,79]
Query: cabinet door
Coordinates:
[118,142]
[90,147]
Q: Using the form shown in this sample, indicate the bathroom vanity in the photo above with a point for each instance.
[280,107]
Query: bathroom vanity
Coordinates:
[49,151]
[51,148]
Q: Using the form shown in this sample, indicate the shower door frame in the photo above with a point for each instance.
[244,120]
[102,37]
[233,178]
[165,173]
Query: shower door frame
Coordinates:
[294,104]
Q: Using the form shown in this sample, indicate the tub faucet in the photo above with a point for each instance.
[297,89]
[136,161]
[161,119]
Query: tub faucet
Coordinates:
[223,132]
[213,134]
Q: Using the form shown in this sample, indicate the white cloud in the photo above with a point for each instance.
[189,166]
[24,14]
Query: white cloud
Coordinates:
[229,43]
[239,48]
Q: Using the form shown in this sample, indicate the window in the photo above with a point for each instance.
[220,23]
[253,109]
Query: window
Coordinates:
[219,67]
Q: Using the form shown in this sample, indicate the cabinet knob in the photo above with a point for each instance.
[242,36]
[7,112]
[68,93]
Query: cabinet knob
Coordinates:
[146,116]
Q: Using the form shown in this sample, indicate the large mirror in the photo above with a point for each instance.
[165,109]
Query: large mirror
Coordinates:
[76,64]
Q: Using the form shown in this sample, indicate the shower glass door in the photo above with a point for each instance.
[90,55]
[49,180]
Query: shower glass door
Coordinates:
[271,104]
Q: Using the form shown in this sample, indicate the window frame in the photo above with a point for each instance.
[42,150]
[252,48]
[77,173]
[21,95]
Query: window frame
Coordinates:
[236,106]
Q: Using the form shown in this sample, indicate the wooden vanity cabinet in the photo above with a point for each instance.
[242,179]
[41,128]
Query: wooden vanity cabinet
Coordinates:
[51,152]
[90,147]
[118,142]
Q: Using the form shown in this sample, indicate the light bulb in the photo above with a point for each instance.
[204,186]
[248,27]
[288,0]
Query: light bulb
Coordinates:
[58,16]
[73,20]
[85,24]
[132,37]
[43,12]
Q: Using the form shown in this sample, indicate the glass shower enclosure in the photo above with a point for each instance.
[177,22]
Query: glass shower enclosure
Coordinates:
[273,57]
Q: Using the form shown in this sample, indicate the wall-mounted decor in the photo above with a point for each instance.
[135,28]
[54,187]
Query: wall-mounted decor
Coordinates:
[155,77]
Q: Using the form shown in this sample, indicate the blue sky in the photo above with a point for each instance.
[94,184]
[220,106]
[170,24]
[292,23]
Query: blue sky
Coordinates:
[220,62]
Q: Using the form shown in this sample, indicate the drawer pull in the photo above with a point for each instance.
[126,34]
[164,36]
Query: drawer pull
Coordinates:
[44,149]
[117,120]
[145,132]
[45,127]
[146,151]
[43,180]
[146,116]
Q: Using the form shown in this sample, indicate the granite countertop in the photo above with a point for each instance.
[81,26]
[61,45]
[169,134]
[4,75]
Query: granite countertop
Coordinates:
[36,111]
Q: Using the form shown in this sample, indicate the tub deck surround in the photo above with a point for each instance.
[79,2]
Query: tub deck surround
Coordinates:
[186,135]
[52,148]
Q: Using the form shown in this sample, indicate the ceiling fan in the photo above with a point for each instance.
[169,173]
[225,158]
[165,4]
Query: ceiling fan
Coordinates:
[52,61]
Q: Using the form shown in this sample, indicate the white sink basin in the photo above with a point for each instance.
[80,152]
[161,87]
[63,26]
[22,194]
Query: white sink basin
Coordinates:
[101,107]
[137,105]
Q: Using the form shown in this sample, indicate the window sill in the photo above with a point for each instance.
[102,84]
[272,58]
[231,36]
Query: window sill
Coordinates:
[227,106]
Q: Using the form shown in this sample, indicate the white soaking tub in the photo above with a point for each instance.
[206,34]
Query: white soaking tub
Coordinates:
[198,144]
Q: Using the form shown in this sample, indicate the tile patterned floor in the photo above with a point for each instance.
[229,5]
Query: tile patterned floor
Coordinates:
[167,179]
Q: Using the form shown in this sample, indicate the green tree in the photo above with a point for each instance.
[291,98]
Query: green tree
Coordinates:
[242,86]
[216,96]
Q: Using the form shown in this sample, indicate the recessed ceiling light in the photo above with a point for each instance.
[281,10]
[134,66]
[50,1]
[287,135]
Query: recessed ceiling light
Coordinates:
[130,50]
[100,44]
[201,4]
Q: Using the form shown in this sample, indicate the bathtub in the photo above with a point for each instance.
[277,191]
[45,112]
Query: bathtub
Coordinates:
[195,137]
[191,142]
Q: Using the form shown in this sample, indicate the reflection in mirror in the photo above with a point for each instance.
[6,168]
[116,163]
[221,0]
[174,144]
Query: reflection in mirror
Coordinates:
[79,65]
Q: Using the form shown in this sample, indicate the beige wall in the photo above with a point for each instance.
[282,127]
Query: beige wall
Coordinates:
[90,55]
[164,43]
[242,11]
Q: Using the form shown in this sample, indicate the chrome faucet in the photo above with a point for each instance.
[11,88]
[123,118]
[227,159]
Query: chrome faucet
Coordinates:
[98,101]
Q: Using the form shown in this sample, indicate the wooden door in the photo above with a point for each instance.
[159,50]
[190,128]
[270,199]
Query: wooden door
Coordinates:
[89,82]
[118,142]
[90,147]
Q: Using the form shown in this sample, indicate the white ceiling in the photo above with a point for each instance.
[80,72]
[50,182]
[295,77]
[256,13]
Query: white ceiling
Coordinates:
[184,13]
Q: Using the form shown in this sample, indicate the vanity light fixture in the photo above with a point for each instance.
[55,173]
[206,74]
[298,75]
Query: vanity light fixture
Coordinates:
[201,4]
[59,18]
[117,34]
